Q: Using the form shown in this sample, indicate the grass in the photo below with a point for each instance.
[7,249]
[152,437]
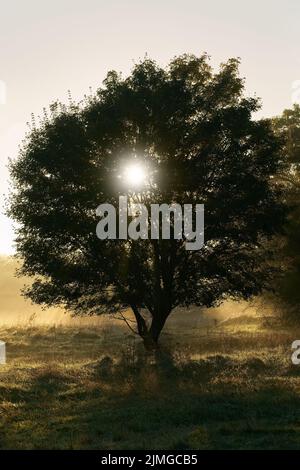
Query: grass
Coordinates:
[232,386]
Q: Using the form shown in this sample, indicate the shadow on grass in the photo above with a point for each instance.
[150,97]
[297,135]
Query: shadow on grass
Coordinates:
[147,403]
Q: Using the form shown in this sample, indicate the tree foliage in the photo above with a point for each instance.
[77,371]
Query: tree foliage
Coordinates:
[194,128]
[287,127]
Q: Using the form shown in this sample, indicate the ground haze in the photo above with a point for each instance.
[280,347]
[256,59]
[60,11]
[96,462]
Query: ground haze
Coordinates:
[224,380]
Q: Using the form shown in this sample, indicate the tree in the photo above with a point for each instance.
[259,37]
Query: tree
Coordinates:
[193,127]
[287,127]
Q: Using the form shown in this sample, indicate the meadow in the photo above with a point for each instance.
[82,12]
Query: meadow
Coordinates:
[226,384]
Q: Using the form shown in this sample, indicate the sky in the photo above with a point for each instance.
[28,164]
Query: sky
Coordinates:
[50,47]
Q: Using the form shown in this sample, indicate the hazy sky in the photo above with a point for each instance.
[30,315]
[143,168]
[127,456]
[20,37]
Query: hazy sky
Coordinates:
[48,47]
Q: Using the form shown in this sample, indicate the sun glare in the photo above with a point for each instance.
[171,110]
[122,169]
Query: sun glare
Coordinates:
[135,175]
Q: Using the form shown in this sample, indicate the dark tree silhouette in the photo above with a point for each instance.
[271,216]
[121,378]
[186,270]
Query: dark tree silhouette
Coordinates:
[194,129]
[287,126]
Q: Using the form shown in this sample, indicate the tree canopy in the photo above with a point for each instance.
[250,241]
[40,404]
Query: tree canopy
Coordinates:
[287,126]
[194,128]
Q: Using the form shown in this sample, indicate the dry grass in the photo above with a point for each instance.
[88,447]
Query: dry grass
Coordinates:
[231,385]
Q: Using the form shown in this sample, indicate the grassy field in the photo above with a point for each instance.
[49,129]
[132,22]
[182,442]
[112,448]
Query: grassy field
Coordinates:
[231,386]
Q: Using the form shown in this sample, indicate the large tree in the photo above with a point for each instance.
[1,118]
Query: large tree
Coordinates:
[193,128]
[287,127]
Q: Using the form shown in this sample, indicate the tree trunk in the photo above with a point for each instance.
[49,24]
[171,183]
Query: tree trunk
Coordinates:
[157,326]
[151,339]
[140,321]
[150,334]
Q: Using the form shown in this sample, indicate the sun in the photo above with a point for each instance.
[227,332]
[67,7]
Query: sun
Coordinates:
[135,175]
